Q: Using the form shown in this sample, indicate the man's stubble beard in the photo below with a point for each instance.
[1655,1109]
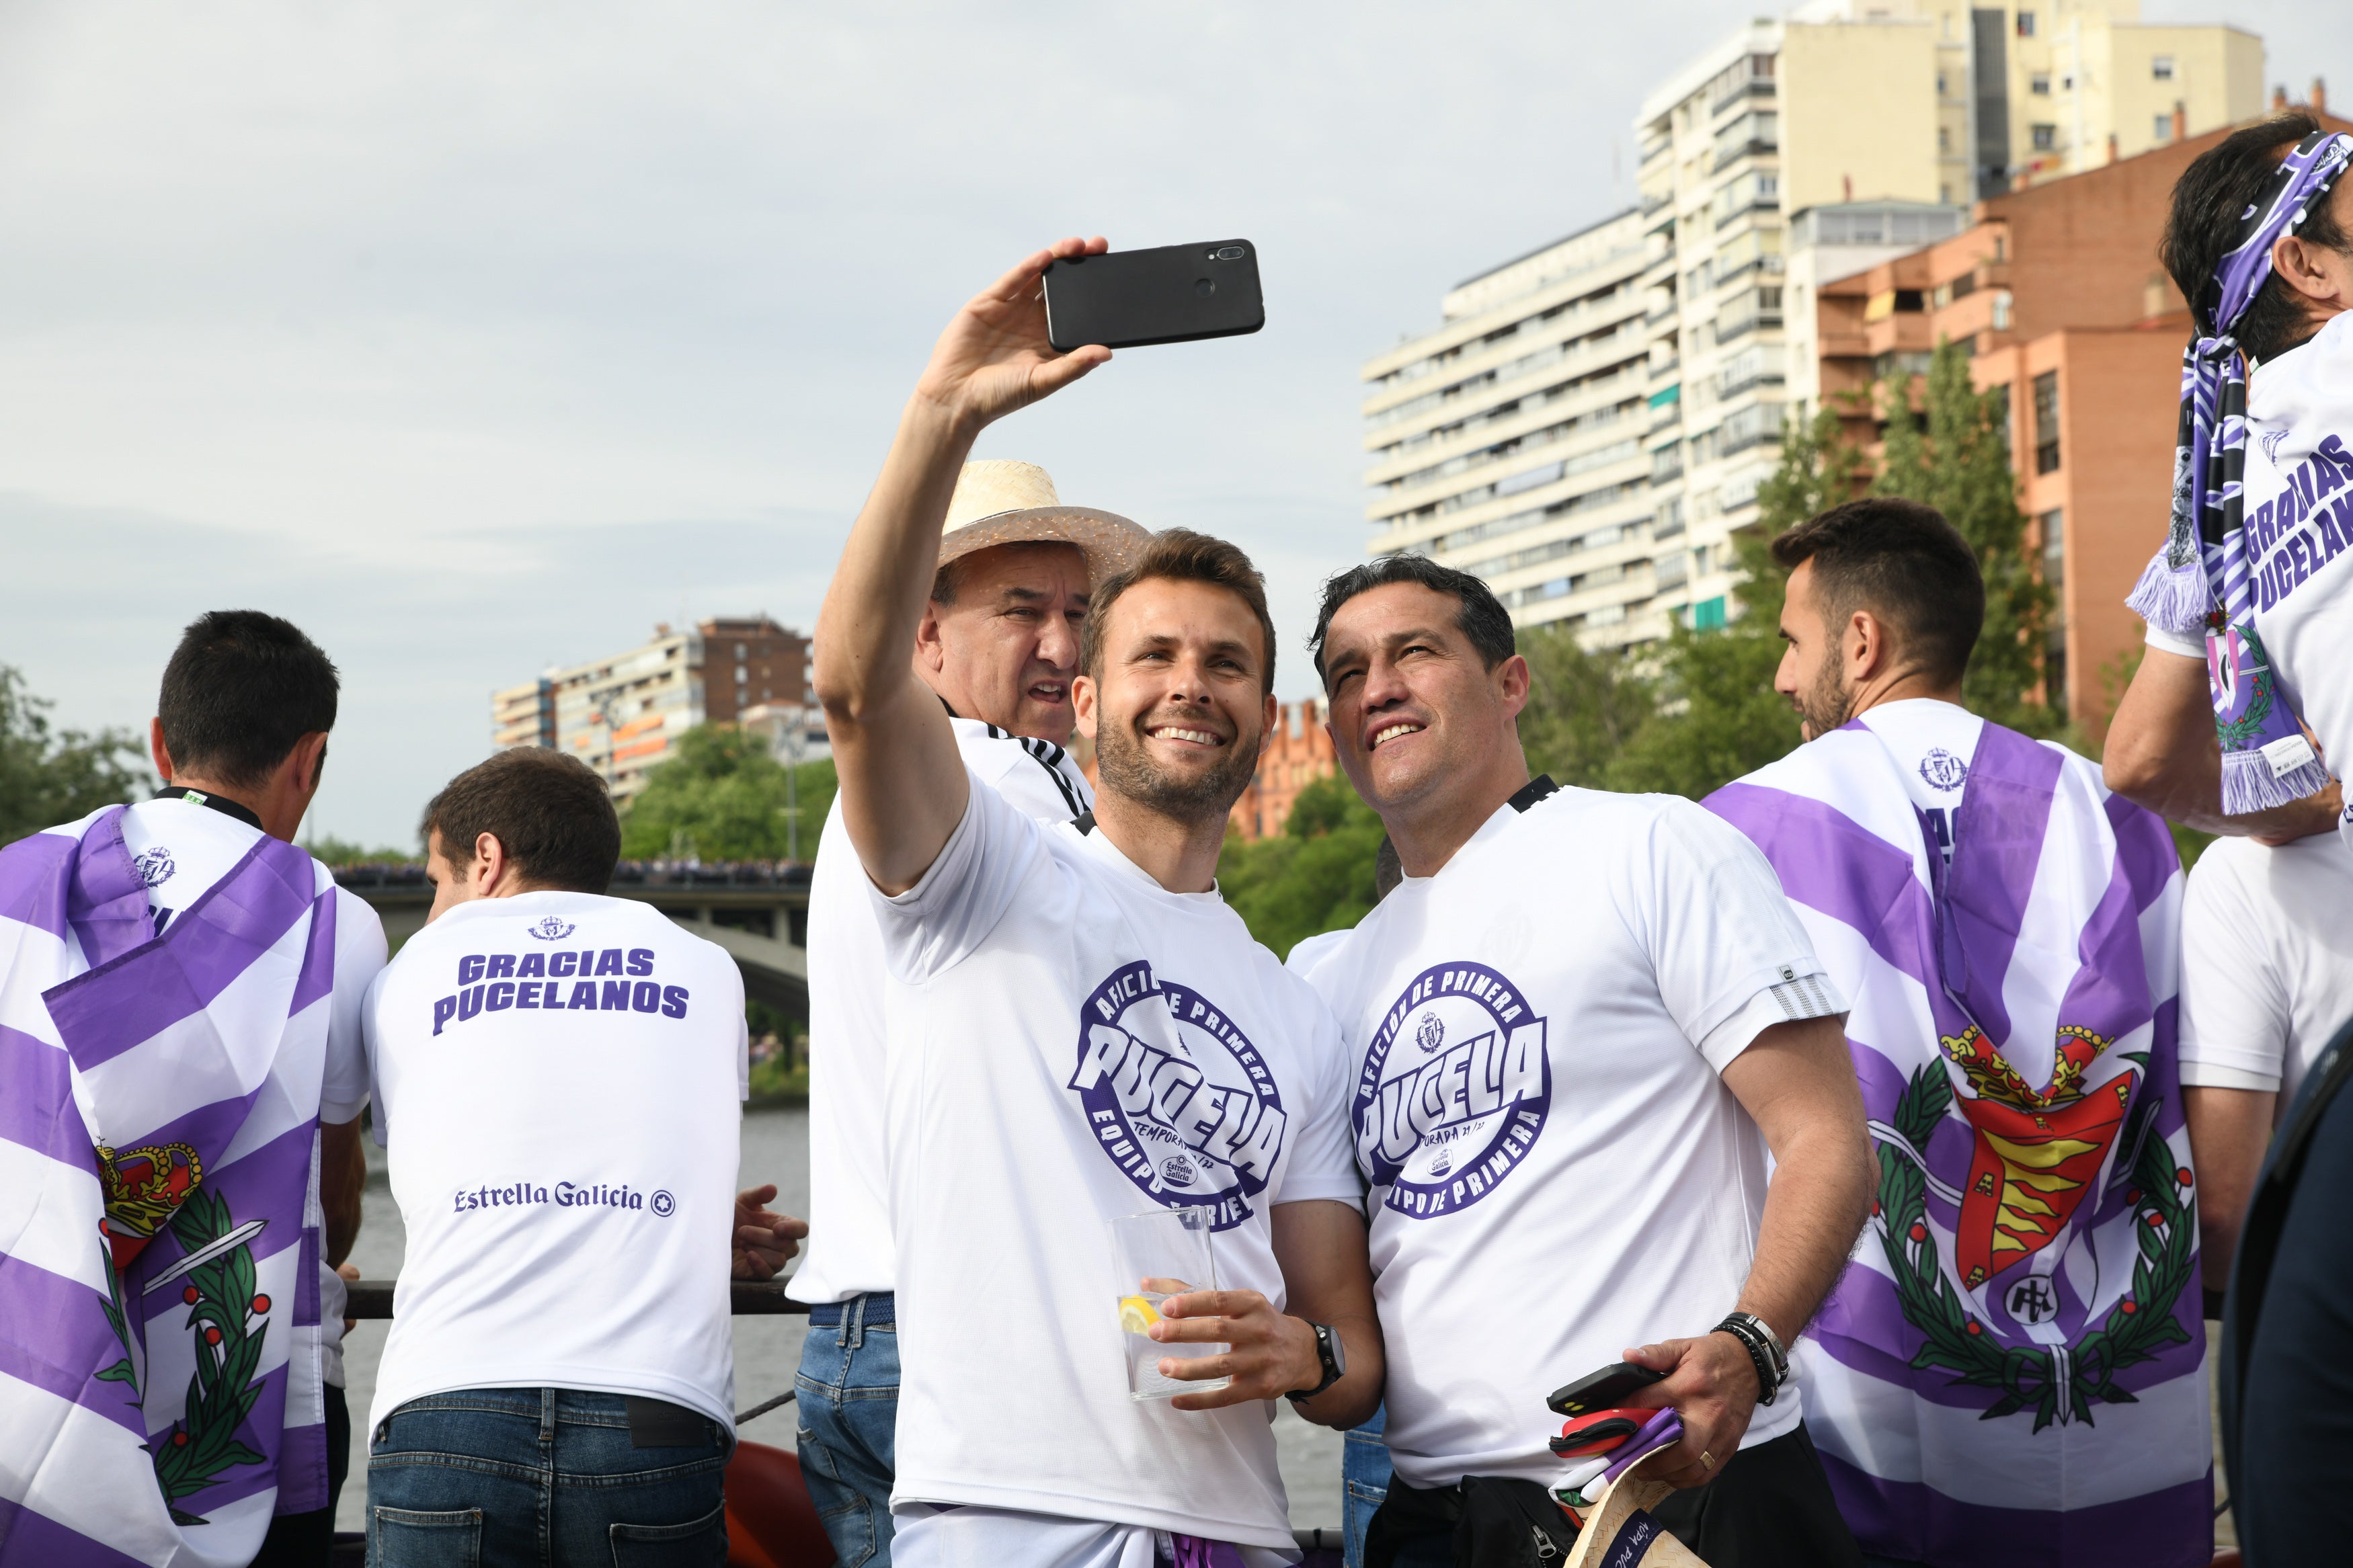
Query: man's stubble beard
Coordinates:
[1128,770]
[1829,704]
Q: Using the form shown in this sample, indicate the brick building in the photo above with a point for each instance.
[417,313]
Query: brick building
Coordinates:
[1298,752]
[2056,294]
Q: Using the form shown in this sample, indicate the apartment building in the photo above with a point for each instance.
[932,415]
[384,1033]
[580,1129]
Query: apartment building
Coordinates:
[2055,293]
[1298,752]
[623,715]
[1885,122]
[1508,441]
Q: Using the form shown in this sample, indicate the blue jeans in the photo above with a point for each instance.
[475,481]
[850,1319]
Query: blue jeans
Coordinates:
[545,1478]
[848,1387]
[1365,1474]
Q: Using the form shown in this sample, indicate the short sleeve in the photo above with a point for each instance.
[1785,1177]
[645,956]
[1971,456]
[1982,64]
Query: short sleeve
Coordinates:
[1322,1144]
[743,1056]
[1729,955]
[359,959]
[2174,642]
[943,918]
[372,1043]
[2235,1014]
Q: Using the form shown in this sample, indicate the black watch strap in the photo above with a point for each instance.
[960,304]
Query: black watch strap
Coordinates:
[1329,1353]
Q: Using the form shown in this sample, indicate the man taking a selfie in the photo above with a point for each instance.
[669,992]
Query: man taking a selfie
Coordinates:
[999,643]
[1089,1035]
[1575,1031]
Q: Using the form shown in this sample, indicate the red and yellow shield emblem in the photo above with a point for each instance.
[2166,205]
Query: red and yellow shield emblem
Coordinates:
[2037,1151]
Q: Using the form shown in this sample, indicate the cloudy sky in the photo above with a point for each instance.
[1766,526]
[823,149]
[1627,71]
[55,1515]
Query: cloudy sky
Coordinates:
[479,338]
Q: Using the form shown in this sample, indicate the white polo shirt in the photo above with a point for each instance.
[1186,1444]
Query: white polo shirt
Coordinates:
[559,1085]
[2266,962]
[1557,1170]
[1081,1045]
[849,1250]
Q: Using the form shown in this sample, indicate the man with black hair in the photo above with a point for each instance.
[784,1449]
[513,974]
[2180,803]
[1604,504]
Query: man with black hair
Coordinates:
[2015,1355]
[558,1077]
[2246,627]
[180,1080]
[1575,1029]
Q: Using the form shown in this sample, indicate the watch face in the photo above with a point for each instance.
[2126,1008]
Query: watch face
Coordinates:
[1335,1351]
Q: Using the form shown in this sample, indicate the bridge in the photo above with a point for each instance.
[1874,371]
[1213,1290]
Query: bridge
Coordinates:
[758,912]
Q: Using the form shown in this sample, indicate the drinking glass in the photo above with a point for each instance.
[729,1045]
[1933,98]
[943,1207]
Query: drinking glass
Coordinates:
[1158,1255]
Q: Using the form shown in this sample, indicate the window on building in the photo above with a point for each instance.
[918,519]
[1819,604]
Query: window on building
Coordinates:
[2046,137]
[2046,422]
[2161,128]
[1708,616]
[2039,84]
[2001,311]
[2160,68]
[2026,24]
[2055,546]
[1943,138]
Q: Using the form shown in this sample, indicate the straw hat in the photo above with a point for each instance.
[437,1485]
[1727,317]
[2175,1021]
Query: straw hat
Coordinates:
[1001,503]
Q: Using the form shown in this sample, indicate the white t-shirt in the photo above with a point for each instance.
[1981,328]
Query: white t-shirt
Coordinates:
[1932,743]
[558,1078]
[2266,962]
[1080,1045]
[180,849]
[2299,519]
[849,1250]
[1557,1171]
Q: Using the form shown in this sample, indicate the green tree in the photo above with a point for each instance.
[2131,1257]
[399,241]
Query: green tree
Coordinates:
[333,851]
[1955,456]
[1583,709]
[51,777]
[724,797]
[1316,876]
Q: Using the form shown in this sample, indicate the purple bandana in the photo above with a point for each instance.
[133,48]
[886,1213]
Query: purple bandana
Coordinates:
[2200,583]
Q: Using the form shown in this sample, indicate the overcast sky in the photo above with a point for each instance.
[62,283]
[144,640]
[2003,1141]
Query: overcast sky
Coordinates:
[478,339]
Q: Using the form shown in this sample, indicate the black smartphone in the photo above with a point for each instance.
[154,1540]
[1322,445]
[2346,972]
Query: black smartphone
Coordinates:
[1173,294]
[1603,1390]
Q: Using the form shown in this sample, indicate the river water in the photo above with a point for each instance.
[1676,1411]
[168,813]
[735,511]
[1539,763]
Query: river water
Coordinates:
[767,1349]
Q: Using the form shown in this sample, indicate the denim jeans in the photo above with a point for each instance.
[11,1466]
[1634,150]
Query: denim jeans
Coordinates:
[1364,1480]
[542,1477]
[848,1406]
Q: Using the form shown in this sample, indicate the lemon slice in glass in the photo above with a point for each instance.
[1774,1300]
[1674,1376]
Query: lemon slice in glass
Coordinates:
[1136,1315]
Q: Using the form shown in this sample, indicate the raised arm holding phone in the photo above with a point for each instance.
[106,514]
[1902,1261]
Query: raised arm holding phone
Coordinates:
[1093,1036]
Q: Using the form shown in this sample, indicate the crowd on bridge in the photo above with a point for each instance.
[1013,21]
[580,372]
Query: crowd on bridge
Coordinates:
[1843,1169]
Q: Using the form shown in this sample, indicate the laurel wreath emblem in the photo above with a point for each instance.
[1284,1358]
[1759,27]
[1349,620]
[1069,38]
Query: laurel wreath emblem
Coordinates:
[2136,1328]
[223,1306]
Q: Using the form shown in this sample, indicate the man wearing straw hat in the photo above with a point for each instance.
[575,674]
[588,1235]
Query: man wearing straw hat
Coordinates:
[998,645]
[1088,1047]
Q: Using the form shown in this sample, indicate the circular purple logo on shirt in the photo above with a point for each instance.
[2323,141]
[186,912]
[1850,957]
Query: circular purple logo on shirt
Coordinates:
[1176,1096]
[1942,770]
[1441,1123]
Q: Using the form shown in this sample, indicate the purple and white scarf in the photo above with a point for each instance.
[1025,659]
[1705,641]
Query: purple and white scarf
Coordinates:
[2200,584]
[160,1355]
[2010,1372]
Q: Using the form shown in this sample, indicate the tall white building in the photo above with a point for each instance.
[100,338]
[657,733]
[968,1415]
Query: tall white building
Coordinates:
[1590,423]
[1508,441]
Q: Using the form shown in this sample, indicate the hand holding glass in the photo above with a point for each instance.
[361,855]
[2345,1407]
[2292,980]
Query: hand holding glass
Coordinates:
[1158,1255]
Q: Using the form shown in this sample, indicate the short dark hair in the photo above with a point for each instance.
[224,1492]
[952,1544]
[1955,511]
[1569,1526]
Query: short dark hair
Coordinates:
[549,812]
[2211,200]
[240,690]
[1180,555]
[1905,563]
[1479,614]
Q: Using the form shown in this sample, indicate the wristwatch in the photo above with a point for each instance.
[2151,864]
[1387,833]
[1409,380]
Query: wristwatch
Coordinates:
[1332,1353]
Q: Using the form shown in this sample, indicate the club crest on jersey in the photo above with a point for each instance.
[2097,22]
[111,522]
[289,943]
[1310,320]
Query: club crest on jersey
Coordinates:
[1176,1096]
[1441,1126]
[1942,770]
[154,865]
[551,928]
